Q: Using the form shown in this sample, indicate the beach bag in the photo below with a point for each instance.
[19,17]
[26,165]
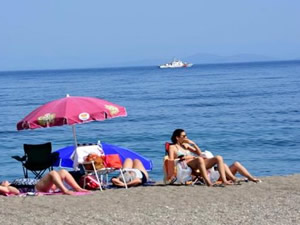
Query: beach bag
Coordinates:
[99,162]
[184,172]
[213,175]
[113,161]
[91,182]
[207,154]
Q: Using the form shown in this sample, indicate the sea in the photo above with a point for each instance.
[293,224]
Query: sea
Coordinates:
[246,112]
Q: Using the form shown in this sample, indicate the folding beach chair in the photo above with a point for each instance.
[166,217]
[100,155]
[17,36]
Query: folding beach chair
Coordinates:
[90,168]
[99,173]
[170,169]
[37,159]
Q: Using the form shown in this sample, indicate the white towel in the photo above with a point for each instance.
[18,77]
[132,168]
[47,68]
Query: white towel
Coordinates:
[83,151]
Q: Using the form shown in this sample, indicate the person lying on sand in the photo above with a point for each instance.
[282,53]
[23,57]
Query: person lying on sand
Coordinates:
[187,150]
[50,182]
[5,188]
[134,174]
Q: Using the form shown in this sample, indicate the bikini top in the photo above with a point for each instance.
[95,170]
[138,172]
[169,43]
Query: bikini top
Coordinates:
[182,152]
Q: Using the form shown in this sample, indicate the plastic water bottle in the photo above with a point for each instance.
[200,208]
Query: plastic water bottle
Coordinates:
[99,144]
[100,147]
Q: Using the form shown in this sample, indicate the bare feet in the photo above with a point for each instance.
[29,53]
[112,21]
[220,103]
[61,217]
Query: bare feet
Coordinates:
[82,190]
[227,183]
[68,192]
[209,184]
[255,180]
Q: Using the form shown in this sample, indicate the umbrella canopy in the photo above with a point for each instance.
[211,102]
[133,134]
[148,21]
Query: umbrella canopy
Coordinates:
[65,153]
[71,110]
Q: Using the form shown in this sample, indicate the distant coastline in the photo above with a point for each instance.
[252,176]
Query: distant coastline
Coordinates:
[152,65]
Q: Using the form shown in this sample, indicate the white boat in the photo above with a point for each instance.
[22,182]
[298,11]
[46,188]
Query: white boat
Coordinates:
[175,64]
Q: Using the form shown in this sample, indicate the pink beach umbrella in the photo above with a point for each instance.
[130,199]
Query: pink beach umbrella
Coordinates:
[71,110]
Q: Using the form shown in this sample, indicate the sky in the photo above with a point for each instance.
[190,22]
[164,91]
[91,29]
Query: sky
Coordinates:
[62,34]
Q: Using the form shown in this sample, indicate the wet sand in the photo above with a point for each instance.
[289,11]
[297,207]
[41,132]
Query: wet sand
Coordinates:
[274,201]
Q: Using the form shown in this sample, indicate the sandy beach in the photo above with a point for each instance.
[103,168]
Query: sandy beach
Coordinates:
[276,200]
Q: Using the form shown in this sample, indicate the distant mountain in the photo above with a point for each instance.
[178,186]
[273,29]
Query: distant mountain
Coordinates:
[202,58]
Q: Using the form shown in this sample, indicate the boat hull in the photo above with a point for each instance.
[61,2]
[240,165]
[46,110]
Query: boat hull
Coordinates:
[175,66]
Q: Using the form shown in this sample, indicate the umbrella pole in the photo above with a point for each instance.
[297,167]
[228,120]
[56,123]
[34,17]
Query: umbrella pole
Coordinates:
[74,135]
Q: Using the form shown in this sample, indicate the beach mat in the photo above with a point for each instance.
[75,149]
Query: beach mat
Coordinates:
[47,193]
[148,183]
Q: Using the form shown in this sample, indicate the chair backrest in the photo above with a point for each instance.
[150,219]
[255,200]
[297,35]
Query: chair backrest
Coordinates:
[82,151]
[169,166]
[38,153]
[167,146]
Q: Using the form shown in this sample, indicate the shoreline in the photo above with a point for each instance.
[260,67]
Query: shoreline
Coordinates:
[275,200]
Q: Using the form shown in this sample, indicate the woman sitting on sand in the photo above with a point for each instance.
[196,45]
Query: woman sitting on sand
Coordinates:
[51,182]
[134,174]
[187,150]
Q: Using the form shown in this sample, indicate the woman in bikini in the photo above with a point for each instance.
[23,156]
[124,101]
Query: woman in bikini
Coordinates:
[134,174]
[51,182]
[189,150]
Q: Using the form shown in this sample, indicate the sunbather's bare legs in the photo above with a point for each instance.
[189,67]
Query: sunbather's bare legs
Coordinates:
[198,163]
[128,163]
[209,163]
[67,177]
[137,164]
[238,167]
[55,180]
[229,174]
[6,189]
[50,182]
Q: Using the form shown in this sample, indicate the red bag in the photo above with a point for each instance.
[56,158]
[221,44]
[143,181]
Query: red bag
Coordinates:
[91,182]
[113,161]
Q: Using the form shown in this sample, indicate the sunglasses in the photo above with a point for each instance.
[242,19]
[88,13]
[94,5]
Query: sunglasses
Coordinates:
[184,136]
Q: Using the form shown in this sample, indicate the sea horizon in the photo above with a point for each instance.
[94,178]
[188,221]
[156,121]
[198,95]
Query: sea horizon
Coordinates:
[149,66]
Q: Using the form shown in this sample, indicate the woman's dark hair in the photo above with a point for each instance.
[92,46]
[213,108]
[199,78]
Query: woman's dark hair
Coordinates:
[175,134]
